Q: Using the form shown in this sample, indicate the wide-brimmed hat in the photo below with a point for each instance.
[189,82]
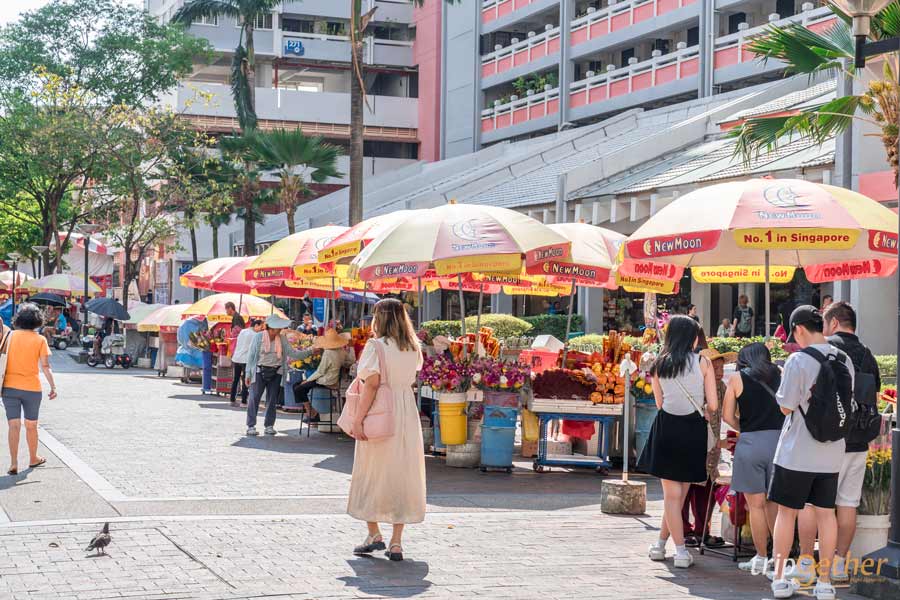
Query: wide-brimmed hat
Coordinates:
[274,321]
[332,339]
[713,354]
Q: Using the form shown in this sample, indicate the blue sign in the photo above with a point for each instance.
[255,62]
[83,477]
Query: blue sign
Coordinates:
[185,267]
[294,47]
[319,311]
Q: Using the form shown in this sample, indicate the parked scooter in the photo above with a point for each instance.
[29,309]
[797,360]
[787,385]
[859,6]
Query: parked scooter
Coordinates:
[63,340]
[112,353]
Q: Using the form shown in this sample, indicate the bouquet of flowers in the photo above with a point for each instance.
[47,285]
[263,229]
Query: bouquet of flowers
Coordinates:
[876,492]
[444,374]
[310,363]
[490,374]
[206,340]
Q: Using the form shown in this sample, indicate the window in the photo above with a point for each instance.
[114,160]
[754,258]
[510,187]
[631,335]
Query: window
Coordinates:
[693,36]
[785,8]
[626,54]
[661,45]
[212,21]
[263,21]
[297,25]
[735,20]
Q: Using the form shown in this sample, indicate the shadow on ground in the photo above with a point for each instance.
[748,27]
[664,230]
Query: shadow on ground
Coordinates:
[380,577]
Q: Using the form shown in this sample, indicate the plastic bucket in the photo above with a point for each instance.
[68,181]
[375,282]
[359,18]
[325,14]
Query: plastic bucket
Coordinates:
[644,414]
[320,399]
[500,416]
[495,398]
[497,446]
[453,422]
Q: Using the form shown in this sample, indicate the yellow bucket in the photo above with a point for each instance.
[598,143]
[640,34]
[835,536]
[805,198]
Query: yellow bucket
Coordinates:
[453,422]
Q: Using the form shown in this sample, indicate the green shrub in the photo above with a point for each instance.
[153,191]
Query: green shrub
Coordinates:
[503,325]
[731,344]
[435,328]
[887,364]
[554,325]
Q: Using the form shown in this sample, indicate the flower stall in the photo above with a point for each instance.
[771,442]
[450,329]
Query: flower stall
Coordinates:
[589,391]
[501,384]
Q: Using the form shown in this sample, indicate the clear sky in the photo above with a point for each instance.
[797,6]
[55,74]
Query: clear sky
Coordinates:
[11,9]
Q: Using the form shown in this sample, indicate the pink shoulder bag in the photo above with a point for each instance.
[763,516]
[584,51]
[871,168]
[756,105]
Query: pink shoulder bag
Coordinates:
[378,423]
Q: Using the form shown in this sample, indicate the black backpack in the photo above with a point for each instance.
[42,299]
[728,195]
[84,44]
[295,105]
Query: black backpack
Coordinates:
[866,425]
[830,413]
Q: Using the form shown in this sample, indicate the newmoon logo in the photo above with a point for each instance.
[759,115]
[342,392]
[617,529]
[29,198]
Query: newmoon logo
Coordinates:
[783,196]
[465,230]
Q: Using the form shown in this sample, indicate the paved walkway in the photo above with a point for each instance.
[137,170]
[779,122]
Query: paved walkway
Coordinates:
[199,511]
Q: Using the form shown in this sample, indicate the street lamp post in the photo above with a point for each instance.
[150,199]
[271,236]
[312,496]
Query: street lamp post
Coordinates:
[15,256]
[862,11]
[39,250]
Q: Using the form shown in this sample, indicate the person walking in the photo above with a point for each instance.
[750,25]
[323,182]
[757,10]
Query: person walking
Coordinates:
[27,351]
[806,469]
[840,327]
[742,321]
[239,360]
[750,408]
[267,361]
[676,450]
[388,480]
[328,373]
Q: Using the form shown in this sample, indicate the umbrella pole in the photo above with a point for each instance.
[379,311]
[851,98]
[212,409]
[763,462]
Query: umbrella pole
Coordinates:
[272,304]
[568,324]
[419,300]
[240,303]
[462,307]
[332,313]
[768,308]
[478,319]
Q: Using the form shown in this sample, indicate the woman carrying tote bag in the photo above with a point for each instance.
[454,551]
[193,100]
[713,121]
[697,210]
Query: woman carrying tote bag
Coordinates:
[388,481]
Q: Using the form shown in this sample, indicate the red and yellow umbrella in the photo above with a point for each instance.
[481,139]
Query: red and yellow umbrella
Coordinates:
[294,257]
[64,284]
[212,308]
[763,229]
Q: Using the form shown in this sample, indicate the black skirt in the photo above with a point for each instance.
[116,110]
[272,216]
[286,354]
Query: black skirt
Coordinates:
[676,448]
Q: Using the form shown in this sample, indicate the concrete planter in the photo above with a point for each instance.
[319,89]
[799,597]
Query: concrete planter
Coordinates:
[871,534]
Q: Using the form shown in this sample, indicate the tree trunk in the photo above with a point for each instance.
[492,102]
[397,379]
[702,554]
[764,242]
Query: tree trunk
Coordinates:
[249,230]
[215,241]
[194,259]
[356,139]
[126,284]
[290,212]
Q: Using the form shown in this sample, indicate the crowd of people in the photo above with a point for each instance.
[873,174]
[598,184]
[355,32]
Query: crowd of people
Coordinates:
[797,459]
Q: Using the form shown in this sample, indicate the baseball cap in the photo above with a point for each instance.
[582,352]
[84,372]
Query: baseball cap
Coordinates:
[805,314]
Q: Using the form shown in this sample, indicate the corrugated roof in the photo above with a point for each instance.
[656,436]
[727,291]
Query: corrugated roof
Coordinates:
[797,100]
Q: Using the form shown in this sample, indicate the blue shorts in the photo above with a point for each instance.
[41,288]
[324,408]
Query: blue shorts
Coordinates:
[16,401]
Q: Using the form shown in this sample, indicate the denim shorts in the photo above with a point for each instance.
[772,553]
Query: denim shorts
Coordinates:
[16,401]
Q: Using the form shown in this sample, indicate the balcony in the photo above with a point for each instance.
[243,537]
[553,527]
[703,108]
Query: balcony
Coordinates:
[538,110]
[676,71]
[336,48]
[520,58]
[324,113]
[399,11]
[496,14]
[616,23]
[733,60]
[390,52]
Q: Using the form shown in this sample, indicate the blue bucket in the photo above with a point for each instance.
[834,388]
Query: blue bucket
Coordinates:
[438,444]
[320,399]
[644,415]
[500,416]
[497,446]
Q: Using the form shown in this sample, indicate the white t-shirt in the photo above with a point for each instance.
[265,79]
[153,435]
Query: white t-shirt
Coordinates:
[242,345]
[797,449]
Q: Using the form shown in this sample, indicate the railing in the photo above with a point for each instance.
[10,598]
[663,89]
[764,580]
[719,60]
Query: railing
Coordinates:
[520,110]
[732,49]
[494,9]
[619,16]
[532,48]
[659,70]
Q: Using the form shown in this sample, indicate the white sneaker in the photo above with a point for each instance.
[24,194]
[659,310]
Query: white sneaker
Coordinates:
[252,431]
[270,431]
[683,561]
[783,588]
[839,570]
[824,591]
[804,571]
[656,553]
[755,566]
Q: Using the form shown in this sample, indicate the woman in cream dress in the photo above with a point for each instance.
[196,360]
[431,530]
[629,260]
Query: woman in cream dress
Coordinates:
[388,482]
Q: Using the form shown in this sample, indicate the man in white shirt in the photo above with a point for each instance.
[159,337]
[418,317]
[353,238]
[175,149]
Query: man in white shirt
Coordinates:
[239,358]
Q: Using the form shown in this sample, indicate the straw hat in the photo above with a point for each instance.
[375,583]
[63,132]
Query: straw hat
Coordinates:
[713,354]
[331,340]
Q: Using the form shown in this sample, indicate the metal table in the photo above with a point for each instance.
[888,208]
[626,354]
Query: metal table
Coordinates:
[600,463]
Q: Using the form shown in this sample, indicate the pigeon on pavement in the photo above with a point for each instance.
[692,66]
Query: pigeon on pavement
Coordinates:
[100,541]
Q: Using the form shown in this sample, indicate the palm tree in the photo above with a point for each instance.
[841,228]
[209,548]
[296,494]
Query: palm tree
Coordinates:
[284,151]
[807,52]
[243,65]
[249,195]
[358,24]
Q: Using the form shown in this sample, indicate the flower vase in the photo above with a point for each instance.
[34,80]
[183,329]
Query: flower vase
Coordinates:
[871,534]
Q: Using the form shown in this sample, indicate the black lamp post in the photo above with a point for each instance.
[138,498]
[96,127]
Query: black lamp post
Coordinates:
[39,250]
[862,11]
[15,256]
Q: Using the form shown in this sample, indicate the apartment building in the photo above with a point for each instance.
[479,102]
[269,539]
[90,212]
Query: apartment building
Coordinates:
[545,64]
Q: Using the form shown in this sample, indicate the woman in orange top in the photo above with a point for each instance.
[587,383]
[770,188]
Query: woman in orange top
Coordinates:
[26,351]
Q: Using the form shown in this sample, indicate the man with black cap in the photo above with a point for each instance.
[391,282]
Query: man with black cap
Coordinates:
[806,470]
